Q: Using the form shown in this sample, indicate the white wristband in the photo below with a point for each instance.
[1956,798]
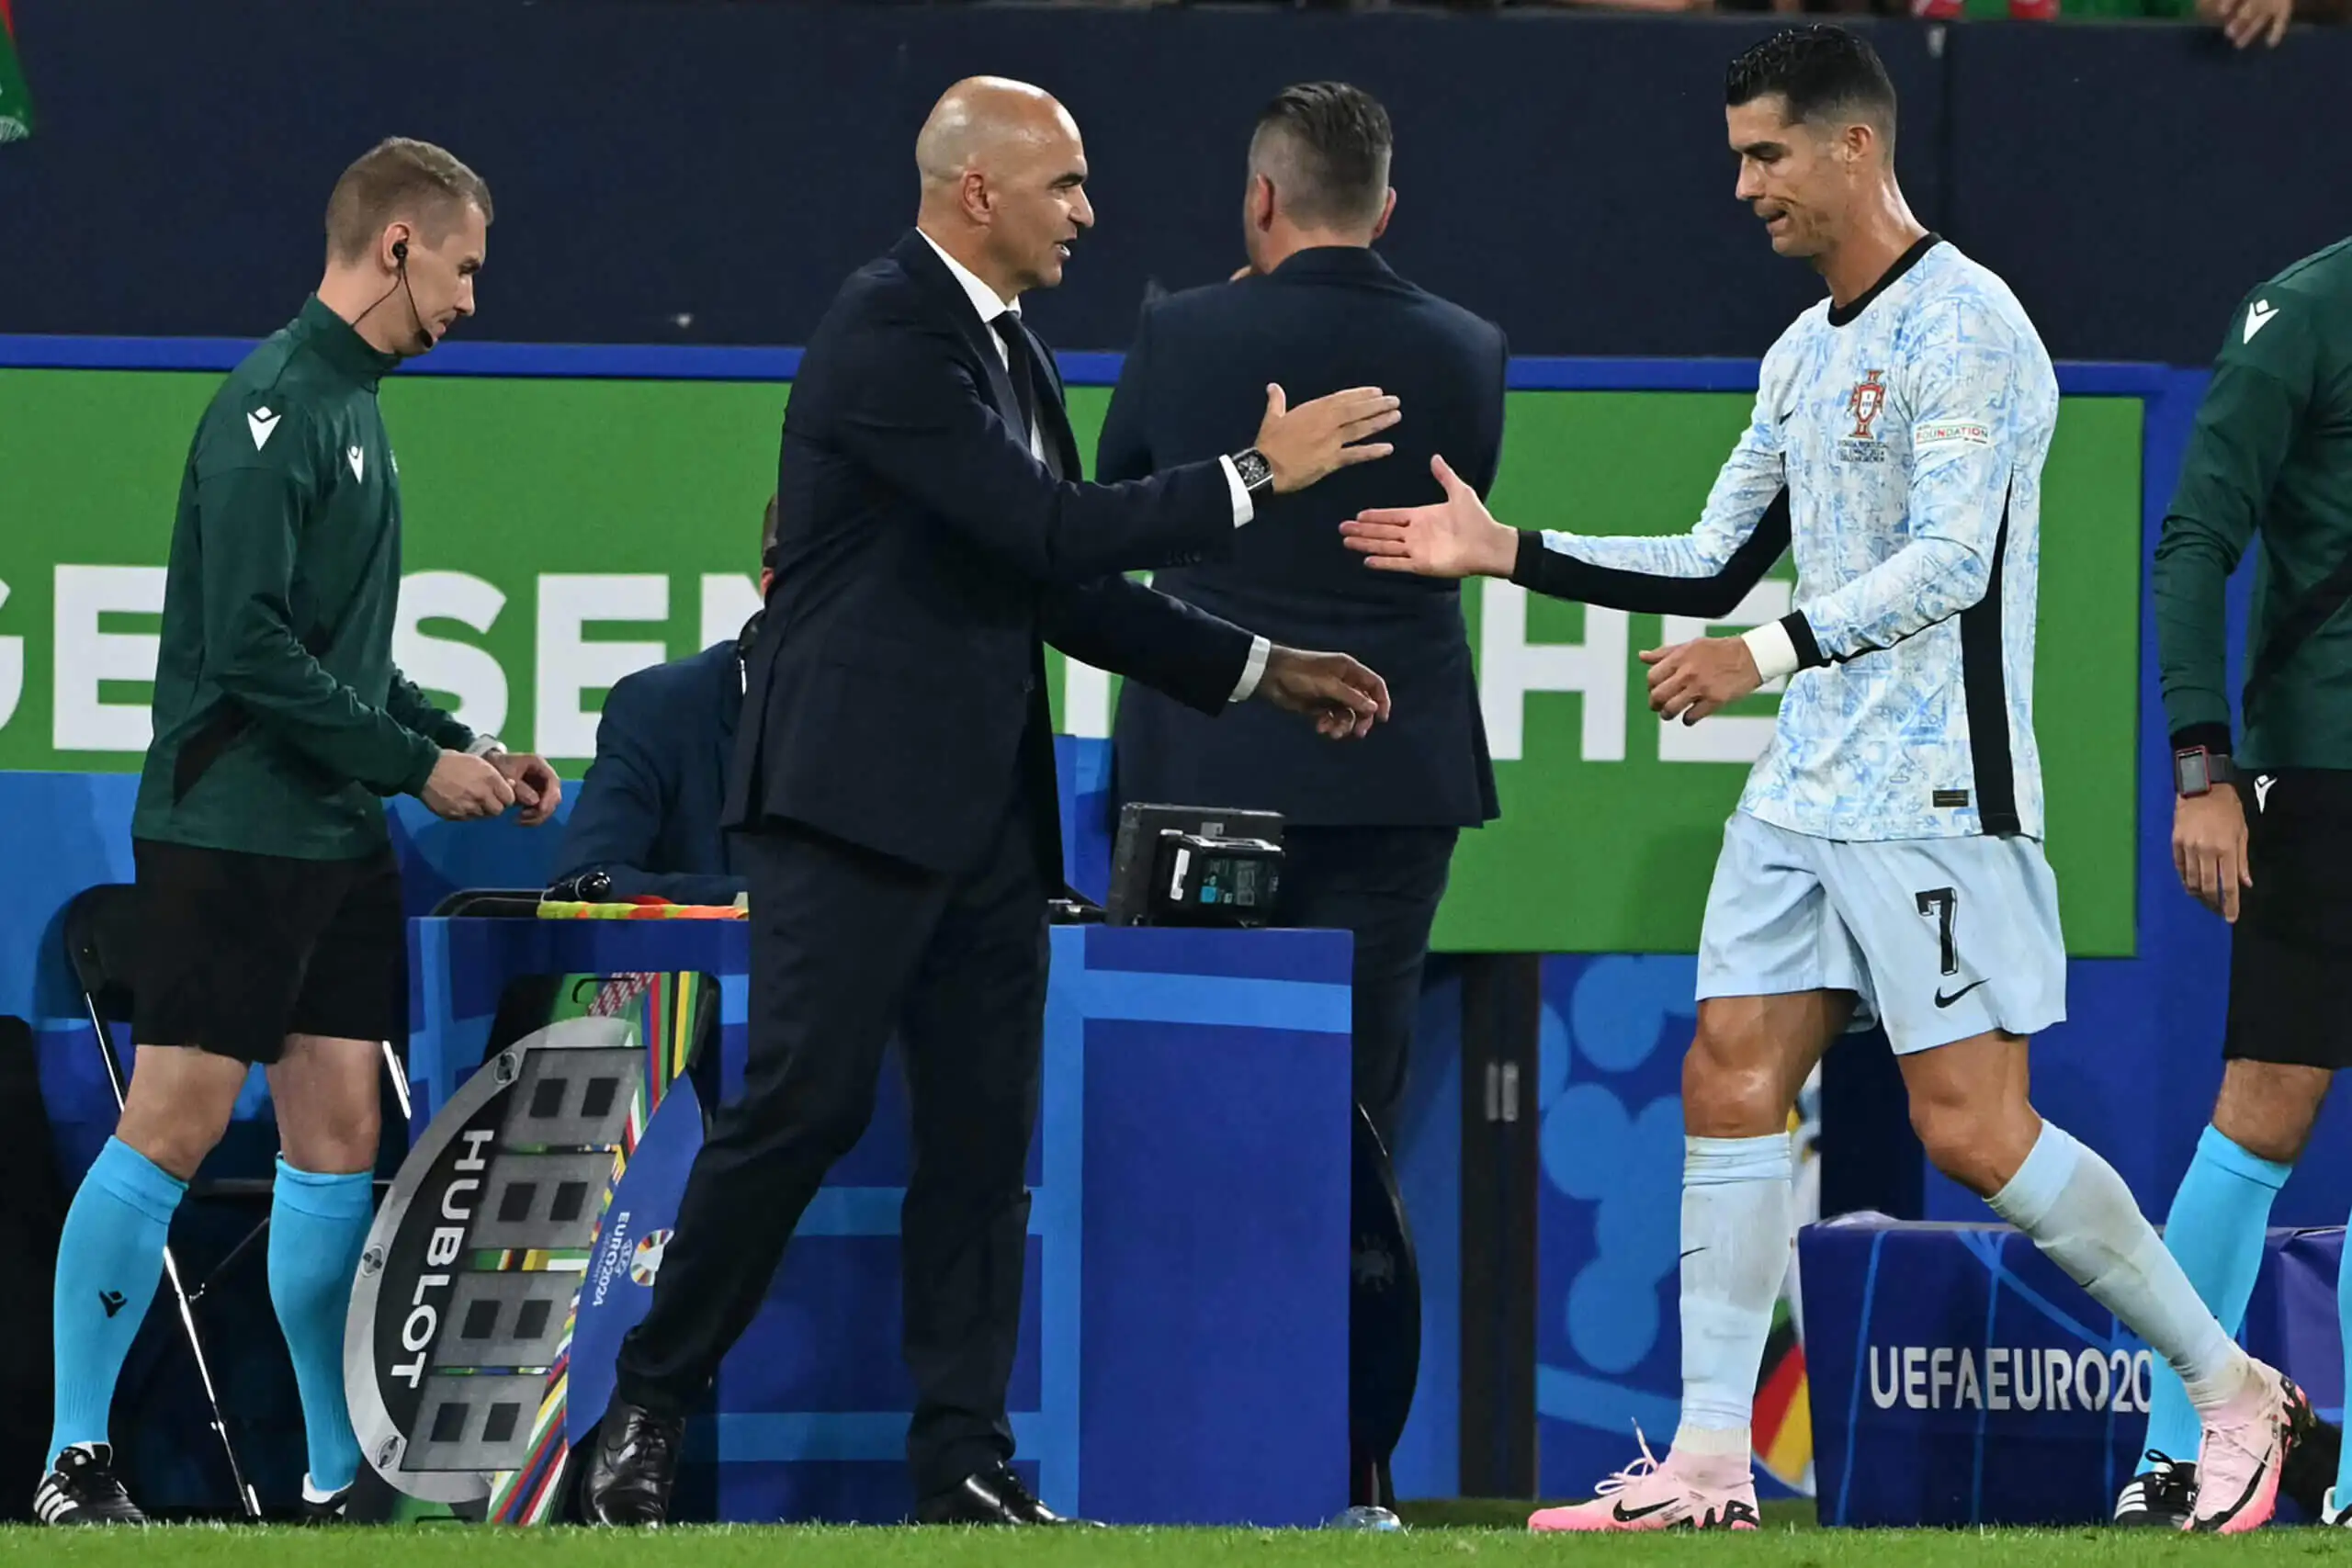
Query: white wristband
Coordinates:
[1773,648]
[484,746]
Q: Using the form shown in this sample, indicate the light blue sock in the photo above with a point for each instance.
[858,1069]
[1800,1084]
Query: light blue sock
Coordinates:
[2343,1320]
[2215,1230]
[2084,1219]
[318,1225]
[110,1259]
[1737,1228]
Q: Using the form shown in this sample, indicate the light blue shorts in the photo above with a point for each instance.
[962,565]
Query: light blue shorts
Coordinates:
[1941,939]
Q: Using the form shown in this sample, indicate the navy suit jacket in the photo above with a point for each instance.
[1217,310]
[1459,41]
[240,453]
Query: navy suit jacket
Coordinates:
[1193,386]
[896,693]
[648,813]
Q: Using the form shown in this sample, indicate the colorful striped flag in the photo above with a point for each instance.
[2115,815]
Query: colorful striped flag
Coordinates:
[15,105]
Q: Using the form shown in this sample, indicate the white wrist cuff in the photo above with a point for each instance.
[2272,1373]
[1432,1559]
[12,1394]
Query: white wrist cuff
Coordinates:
[484,746]
[1245,505]
[1773,648]
[1254,670]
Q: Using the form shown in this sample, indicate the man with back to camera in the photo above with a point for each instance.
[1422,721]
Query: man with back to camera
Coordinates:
[2262,830]
[894,781]
[1885,857]
[647,819]
[268,903]
[1369,829]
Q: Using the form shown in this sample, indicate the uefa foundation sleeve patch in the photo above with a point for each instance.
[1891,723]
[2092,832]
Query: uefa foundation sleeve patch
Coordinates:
[1951,433]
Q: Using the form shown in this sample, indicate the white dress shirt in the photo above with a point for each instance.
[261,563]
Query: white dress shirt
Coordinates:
[989,305]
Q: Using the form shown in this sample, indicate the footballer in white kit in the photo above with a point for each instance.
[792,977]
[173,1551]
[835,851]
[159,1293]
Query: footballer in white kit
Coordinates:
[1886,859]
[1888,842]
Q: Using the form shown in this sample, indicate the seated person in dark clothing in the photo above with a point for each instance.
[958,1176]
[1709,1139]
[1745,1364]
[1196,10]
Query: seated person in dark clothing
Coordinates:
[648,816]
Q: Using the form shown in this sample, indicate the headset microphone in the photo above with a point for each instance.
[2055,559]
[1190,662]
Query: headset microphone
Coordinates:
[400,259]
[401,286]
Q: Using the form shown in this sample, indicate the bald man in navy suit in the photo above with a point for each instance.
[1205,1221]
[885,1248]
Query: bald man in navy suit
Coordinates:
[893,779]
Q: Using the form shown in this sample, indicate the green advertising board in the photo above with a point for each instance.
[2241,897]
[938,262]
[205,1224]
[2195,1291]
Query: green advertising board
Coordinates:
[561,533]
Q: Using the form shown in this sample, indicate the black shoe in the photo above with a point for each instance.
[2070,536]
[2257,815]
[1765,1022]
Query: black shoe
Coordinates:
[2309,1471]
[2160,1497]
[326,1507]
[632,1467]
[82,1490]
[991,1497]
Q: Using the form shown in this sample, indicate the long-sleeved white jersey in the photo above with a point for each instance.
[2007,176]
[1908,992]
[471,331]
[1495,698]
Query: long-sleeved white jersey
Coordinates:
[1897,447]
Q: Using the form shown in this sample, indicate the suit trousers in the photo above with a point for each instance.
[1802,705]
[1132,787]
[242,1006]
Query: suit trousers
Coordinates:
[848,945]
[1383,885]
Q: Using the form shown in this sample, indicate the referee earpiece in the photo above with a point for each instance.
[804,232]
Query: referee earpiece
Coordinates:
[401,286]
[400,260]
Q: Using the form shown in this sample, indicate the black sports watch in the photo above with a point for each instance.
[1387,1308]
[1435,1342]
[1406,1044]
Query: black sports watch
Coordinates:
[1256,474]
[2195,769]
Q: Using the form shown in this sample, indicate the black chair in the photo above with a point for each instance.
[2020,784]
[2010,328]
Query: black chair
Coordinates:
[497,903]
[101,937]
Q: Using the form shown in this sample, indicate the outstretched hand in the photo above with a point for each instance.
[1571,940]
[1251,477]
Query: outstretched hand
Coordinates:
[1453,538]
[1314,440]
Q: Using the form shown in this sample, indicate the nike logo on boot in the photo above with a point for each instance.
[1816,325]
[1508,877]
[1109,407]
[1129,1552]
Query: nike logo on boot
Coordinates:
[1625,1515]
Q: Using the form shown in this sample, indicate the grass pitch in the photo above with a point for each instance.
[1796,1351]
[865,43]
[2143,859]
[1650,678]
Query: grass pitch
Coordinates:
[1785,1542]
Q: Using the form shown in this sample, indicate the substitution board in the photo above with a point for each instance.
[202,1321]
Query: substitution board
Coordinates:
[457,1352]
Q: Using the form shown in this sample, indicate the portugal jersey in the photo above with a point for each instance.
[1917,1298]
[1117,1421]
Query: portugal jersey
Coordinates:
[1896,449]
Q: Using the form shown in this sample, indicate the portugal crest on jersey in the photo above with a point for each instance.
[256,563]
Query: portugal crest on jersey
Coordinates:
[1869,396]
[1867,399]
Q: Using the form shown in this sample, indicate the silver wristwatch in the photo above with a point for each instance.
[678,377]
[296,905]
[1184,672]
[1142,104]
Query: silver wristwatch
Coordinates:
[1256,474]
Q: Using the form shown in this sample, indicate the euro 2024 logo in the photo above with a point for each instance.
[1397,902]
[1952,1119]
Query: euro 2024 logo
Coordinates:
[646,1262]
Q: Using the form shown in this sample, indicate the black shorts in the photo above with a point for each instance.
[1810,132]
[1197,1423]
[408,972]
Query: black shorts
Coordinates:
[2291,952]
[238,950]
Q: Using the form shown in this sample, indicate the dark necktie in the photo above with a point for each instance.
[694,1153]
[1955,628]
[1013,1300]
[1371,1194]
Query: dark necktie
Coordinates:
[1021,368]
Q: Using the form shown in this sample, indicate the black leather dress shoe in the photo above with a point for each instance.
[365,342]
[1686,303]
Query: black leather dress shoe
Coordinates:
[632,1467]
[991,1497]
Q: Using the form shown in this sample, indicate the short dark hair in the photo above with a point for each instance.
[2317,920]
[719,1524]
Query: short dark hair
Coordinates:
[399,177]
[1821,70]
[1334,140]
[767,536]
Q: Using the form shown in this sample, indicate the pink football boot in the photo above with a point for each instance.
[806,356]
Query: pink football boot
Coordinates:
[2245,1446]
[1680,1493]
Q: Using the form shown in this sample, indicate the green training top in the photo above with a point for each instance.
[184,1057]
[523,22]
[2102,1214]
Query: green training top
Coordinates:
[2272,453]
[280,718]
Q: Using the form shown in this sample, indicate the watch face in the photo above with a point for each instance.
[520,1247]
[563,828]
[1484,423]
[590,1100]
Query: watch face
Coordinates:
[2190,774]
[1254,468]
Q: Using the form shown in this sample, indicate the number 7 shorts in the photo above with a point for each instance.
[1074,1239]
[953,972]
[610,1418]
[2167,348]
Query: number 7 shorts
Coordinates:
[1939,938]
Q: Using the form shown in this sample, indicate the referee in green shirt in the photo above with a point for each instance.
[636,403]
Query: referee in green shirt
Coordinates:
[268,905]
[2262,826]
